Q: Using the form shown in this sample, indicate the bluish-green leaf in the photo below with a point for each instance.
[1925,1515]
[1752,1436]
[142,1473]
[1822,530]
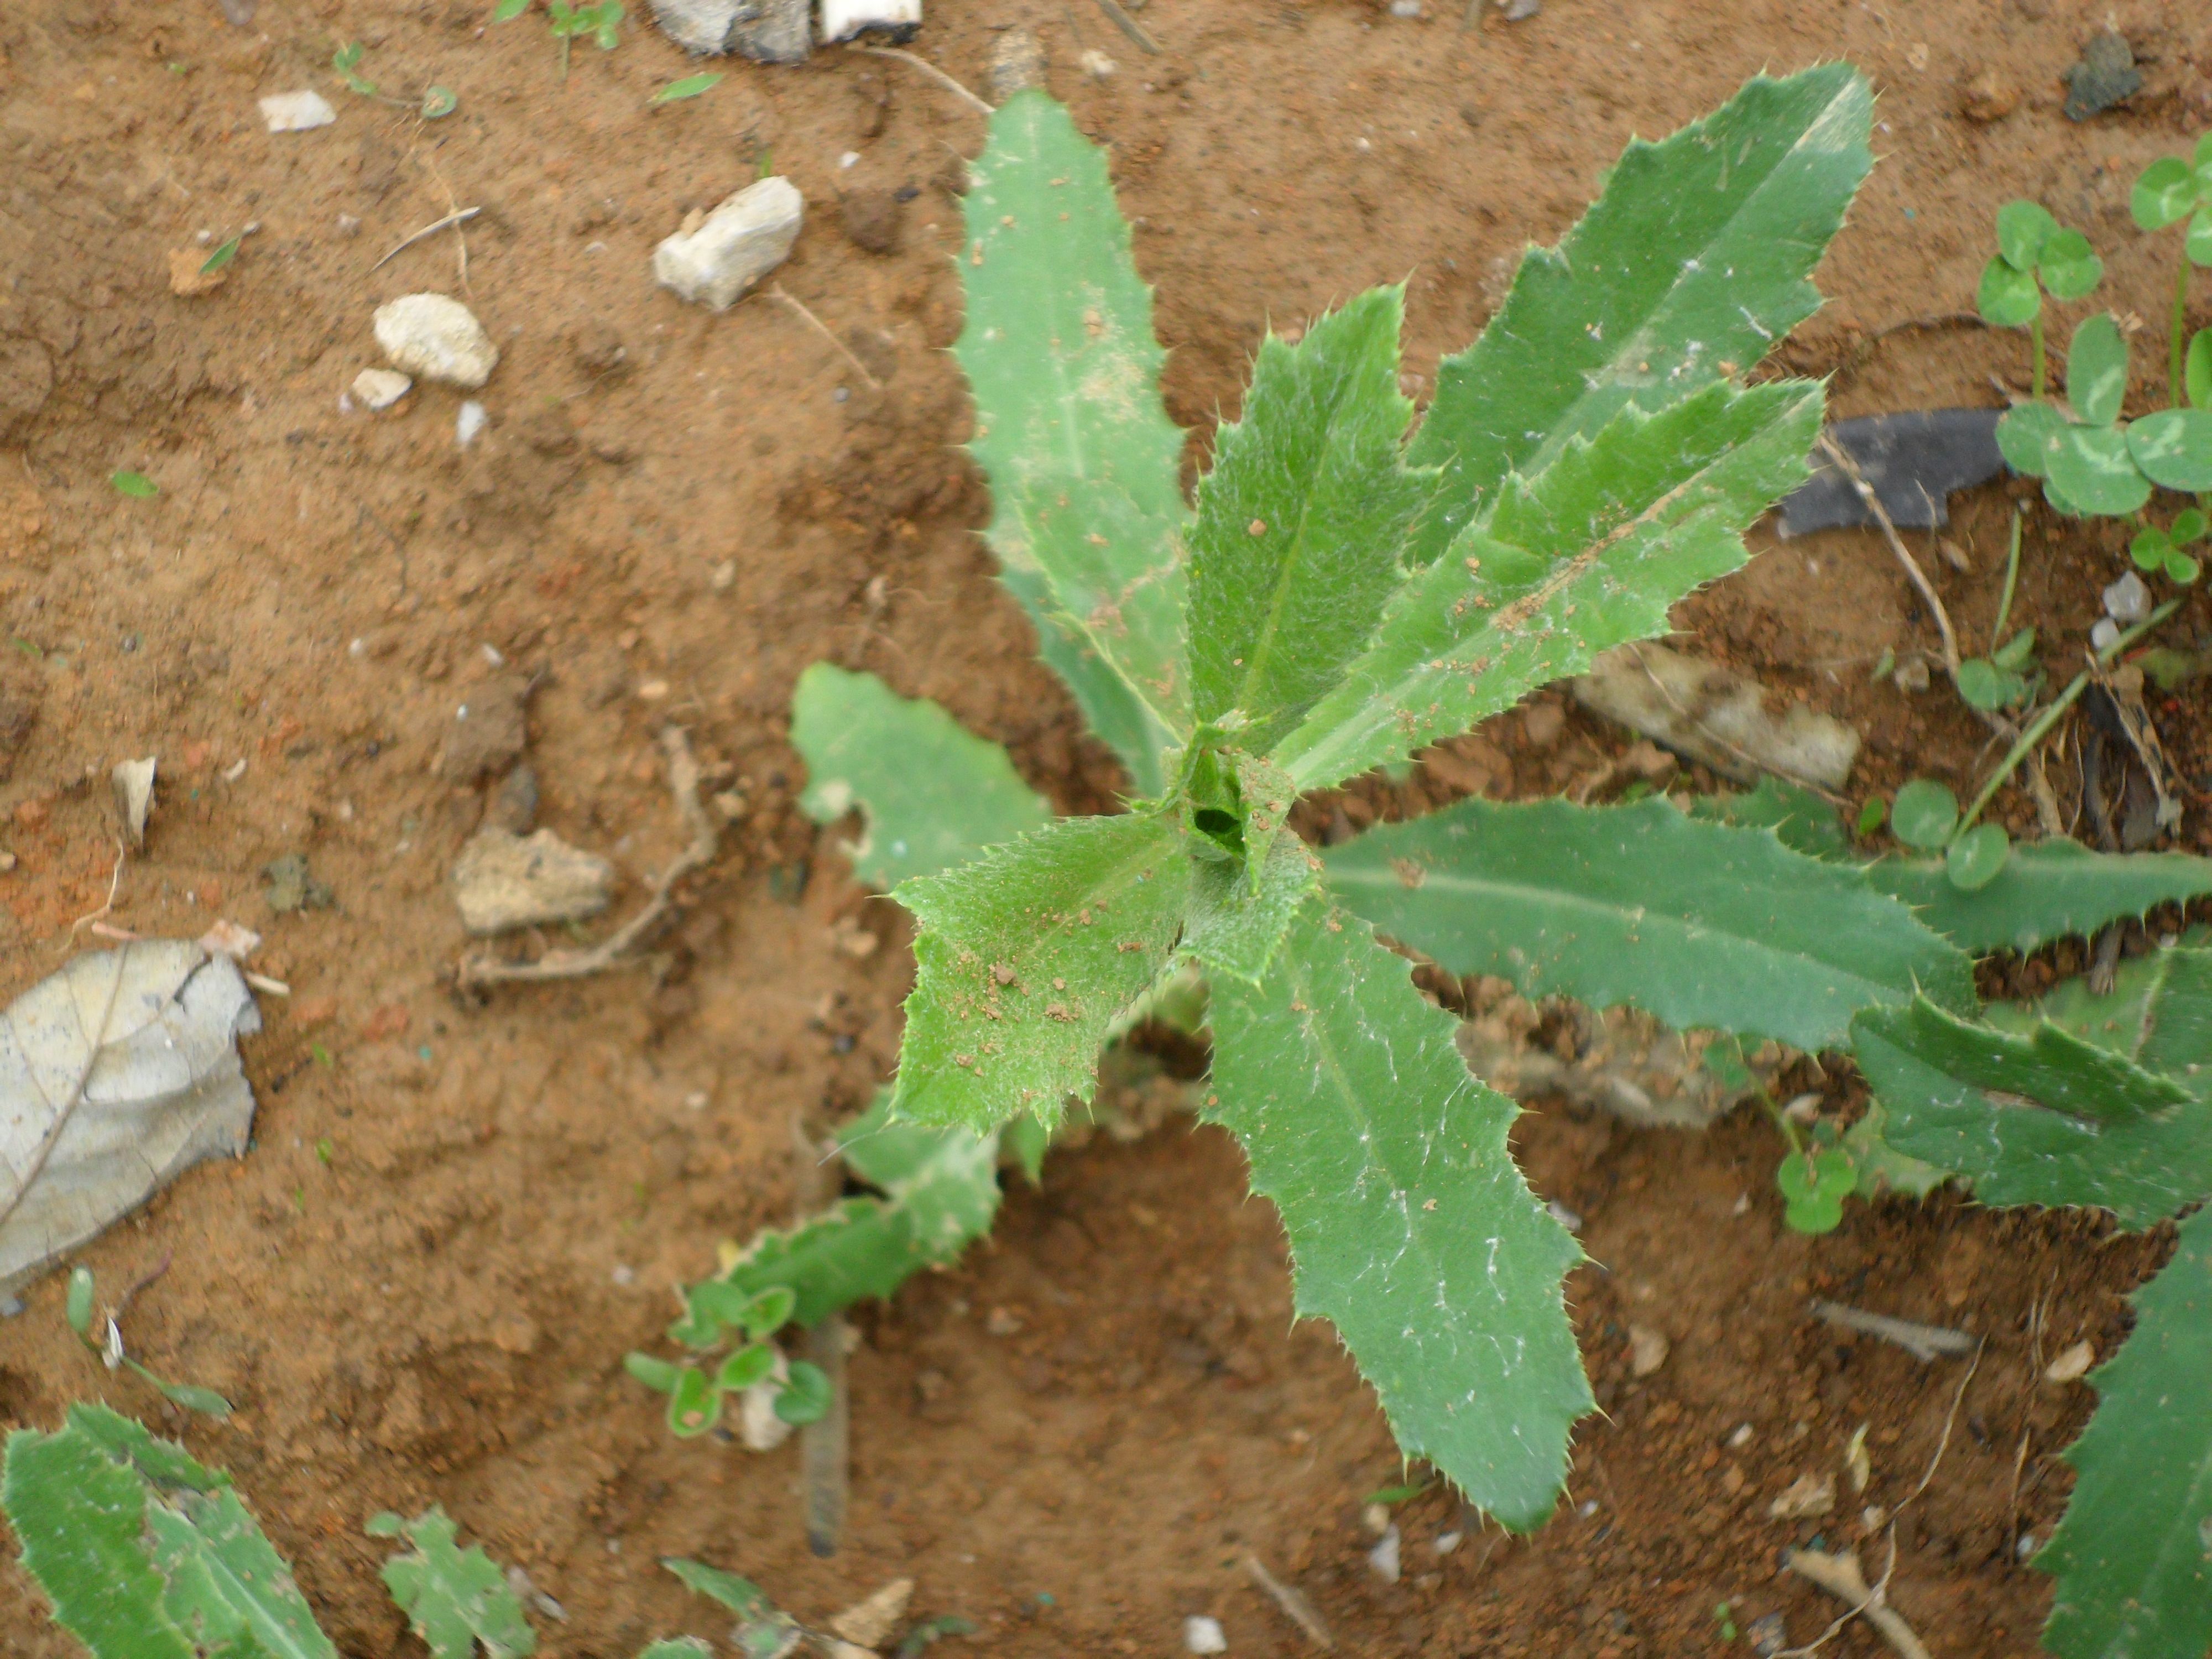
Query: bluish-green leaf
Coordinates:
[1410,1226]
[2047,890]
[2164,193]
[1698,258]
[1087,506]
[1025,956]
[2036,1118]
[2158,1014]
[1588,554]
[2131,1557]
[2091,468]
[1700,923]
[227,1585]
[2005,297]
[2068,267]
[933,794]
[1301,521]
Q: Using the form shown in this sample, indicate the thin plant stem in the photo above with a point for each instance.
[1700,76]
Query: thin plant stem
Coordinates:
[564,76]
[2175,331]
[2049,717]
[2035,337]
[2011,581]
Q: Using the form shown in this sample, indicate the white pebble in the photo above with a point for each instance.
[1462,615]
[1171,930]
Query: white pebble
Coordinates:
[1203,1635]
[1405,8]
[2106,632]
[2127,601]
[1446,1542]
[749,235]
[469,423]
[297,112]
[380,388]
[436,338]
[843,19]
[1382,1560]
[851,158]
[1097,65]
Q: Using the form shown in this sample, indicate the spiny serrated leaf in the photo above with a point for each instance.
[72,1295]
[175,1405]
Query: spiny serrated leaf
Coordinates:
[1585,555]
[933,794]
[1233,929]
[454,1598]
[939,1192]
[1698,258]
[1266,793]
[1023,959]
[1301,520]
[1700,923]
[2036,1118]
[1801,819]
[79,1517]
[1086,495]
[2047,890]
[228,1588]
[2133,1556]
[2158,1014]
[1410,1225]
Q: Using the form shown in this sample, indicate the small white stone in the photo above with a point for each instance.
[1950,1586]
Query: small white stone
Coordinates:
[436,338]
[1405,8]
[297,112]
[1097,65]
[380,388]
[2106,633]
[470,423]
[1203,1635]
[2127,601]
[843,19]
[749,235]
[850,160]
[2073,1364]
[1446,1542]
[1382,1560]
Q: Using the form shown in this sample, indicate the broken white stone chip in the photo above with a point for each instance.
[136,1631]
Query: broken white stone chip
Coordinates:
[749,235]
[297,112]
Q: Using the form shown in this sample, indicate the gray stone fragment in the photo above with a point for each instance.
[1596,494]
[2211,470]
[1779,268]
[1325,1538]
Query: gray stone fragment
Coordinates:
[2106,75]
[766,31]
[502,881]
[749,235]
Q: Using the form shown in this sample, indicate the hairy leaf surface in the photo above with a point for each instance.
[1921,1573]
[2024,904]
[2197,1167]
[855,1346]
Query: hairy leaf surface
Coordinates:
[2158,1014]
[1025,956]
[1410,1226]
[1697,258]
[933,794]
[1301,521]
[1233,929]
[2037,1118]
[2047,890]
[1585,556]
[228,1586]
[453,1598]
[2134,1569]
[1700,923]
[1087,504]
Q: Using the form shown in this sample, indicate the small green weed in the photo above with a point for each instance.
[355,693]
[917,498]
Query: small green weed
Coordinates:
[434,104]
[600,22]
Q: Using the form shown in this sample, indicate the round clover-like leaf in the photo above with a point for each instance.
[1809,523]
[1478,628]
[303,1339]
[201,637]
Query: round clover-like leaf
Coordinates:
[2028,433]
[438,102]
[2096,474]
[2023,228]
[1982,683]
[2173,448]
[1924,813]
[2149,548]
[695,1404]
[805,1396]
[2096,370]
[1972,861]
[2189,525]
[2197,369]
[2181,569]
[2069,267]
[2007,297]
[2165,194]
[1813,1186]
[747,1366]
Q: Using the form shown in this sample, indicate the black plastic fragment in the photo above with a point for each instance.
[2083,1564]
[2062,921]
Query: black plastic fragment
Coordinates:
[1913,461]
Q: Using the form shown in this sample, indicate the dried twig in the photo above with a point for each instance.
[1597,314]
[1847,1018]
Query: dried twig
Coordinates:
[1130,26]
[933,73]
[1299,1611]
[460,218]
[1923,1342]
[1849,469]
[775,291]
[1840,1576]
[106,905]
[611,952]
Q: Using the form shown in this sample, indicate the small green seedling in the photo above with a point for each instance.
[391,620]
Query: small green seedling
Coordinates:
[690,87]
[602,22]
[2160,551]
[715,1311]
[109,1346]
[137,485]
[1996,681]
[2169,191]
[2035,256]
[453,1598]
[434,104]
[222,257]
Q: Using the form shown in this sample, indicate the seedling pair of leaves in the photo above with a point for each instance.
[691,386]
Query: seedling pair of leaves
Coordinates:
[1925,815]
[78,1307]
[1997,681]
[2160,551]
[713,1310]
[602,22]
[436,103]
